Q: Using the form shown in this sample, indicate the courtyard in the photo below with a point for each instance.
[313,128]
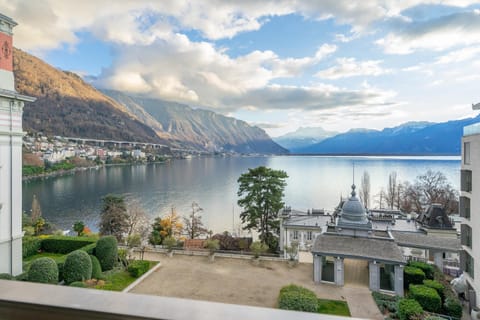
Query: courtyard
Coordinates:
[239,281]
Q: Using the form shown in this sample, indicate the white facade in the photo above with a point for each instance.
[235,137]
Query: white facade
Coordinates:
[11,133]
[470,211]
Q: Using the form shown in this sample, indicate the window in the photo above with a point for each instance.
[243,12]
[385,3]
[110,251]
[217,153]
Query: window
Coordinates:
[466,180]
[295,235]
[309,235]
[467,263]
[466,152]
[466,235]
[465,207]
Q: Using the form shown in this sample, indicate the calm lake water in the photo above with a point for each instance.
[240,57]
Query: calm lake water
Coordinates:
[314,182]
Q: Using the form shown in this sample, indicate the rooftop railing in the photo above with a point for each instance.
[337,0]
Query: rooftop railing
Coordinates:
[471,129]
[24,300]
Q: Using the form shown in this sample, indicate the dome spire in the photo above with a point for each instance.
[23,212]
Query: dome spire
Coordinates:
[353,179]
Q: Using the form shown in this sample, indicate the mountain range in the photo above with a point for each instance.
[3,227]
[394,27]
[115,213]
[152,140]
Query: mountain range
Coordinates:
[66,105]
[412,138]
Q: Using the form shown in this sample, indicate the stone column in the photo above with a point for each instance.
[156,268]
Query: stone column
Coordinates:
[438,259]
[374,275]
[399,280]
[339,270]
[317,268]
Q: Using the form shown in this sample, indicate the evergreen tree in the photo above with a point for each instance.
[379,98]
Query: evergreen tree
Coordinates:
[114,217]
[261,194]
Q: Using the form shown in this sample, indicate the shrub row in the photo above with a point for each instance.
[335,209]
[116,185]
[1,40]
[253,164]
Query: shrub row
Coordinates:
[138,267]
[428,298]
[6,276]
[428,269]
[30,246]
[413,275]
[453,307]
[65,244]
[409,309]
[297,298]
[440,288]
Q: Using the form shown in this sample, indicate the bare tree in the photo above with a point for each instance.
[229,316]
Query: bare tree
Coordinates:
[365,189]
[381,198]
[138,222]
[36,210]
[193,224]
[392,189]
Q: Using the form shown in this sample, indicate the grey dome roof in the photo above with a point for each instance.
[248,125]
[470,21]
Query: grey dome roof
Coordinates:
[353,212]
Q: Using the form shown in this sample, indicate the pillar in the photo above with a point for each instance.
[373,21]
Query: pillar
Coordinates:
[438,259]
[374,275]
[317,268]
[399,280]
[339,271]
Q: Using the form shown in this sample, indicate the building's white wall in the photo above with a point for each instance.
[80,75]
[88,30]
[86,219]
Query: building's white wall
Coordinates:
[474,221]
[6,80]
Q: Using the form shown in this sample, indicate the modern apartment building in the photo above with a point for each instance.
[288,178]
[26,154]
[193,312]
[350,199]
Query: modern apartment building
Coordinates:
[470,211]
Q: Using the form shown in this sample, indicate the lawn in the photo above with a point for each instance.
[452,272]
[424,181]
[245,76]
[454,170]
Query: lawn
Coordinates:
[58,257]
[117,279]
[335,307]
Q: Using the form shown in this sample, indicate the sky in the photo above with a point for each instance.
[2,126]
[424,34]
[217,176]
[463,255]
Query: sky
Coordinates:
[279,65]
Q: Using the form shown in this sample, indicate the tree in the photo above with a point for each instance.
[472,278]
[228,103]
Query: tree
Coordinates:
[433,187]
[36,210]
[114,217]
[381,198]
[392,189]
[193,224]
[261,193]
[365,189]
[158,233]
[172,224]
[137,221]
[78,227]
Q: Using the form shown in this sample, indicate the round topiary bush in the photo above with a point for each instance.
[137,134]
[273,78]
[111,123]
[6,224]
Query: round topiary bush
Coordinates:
[43,270]
[107,252]
[297,298]
[96,268]
[77,267]
[409,309]
[428,297]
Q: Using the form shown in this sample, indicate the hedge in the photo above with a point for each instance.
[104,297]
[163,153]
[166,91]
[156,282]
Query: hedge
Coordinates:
[30,246]
[64,244]
[409,309]
[297,298]
[107,252]
[428,269]
[43,270]
[138,267]
[440,288]
[78,284]
[96,268]
[77,267]
[60,266]
[453,307]
[428,298]
[6,276]
[89,248]
[413,275]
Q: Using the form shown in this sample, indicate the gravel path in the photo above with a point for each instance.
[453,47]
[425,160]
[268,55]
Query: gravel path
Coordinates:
[239,281]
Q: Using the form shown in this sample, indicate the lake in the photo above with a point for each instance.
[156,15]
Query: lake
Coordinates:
[314,182]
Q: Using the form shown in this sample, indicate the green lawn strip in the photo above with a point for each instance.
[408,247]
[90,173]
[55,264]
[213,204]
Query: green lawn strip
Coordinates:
[335,307]
[117,280]
[58,257]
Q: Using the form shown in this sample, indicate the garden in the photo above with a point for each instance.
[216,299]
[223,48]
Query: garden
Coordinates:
[88,262]
[428,295]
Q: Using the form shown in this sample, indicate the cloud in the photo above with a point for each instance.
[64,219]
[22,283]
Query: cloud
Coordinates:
[268,125]
[350,67]
[460,55]
[436,34]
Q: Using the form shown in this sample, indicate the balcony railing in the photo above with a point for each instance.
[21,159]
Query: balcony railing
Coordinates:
[24,300]
[471,129]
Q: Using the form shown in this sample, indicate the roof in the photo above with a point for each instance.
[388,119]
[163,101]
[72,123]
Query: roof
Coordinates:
[313,221]
[424,241]
[8,19]
[352,247]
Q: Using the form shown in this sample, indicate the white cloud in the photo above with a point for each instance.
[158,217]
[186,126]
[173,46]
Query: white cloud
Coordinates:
[460,55]
[437,34]
[350,67]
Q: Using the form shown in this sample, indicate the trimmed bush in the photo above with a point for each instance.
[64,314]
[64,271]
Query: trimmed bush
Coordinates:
[89,248]
[22,277]
[96,268]
[30,246]
[428,298]
[440,288]
[413,275]
[78,284]
[43,270]
[409,309]
[64,244]
[107,252]
[453,307]
[77,267]
[297,298]
[138,267]
[428,269]
[6,276]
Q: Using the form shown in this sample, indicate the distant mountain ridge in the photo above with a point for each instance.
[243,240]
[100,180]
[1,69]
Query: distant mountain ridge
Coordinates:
[303,137]
[197,128]
[66,105]
[412,138]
